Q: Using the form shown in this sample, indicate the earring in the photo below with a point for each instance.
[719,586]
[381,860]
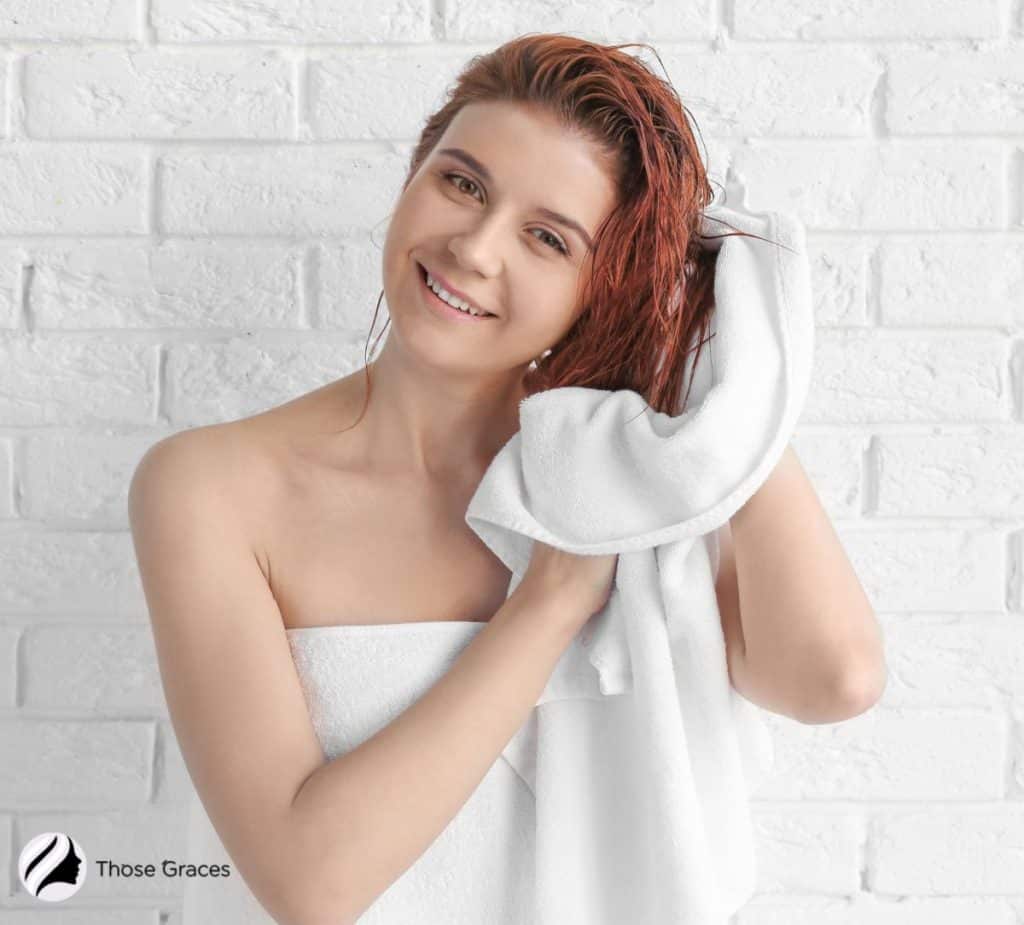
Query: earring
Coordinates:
[535,363]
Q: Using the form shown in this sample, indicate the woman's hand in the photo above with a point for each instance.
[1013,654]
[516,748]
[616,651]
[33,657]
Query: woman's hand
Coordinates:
[583,582]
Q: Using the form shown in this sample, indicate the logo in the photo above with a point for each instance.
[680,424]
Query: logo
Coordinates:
[52,867]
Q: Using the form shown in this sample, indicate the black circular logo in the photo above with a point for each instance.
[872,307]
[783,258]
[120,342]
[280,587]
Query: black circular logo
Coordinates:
[52,867]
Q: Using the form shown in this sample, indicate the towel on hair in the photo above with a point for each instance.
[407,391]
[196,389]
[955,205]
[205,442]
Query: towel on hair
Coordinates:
[642,788]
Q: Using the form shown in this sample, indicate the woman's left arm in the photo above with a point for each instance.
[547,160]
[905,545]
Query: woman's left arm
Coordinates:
[812,645]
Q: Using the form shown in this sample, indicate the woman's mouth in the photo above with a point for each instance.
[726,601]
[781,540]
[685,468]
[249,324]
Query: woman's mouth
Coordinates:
[442,308]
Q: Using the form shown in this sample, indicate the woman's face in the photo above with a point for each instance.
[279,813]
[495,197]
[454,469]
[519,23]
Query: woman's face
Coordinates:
[478,214]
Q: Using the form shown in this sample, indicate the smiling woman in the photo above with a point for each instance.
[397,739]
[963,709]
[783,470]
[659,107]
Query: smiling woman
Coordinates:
[486,236]
[519,189]
[345,660]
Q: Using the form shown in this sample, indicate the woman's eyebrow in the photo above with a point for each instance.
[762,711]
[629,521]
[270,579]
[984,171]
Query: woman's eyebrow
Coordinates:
[473,164]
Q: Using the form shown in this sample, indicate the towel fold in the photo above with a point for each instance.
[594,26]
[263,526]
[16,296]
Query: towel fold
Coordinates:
[642,794]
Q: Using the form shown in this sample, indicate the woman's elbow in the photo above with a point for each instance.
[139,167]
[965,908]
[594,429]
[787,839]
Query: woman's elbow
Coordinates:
[852,693]
[308,899]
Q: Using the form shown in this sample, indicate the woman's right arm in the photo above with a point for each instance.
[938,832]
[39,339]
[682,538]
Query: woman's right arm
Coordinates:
[316,841]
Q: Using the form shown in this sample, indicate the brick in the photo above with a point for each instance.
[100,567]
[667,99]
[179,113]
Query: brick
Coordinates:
[11,259]
[51,573]
[860,186]
[972,660]
[46,381]
[9,636]
[951,281]
[295,21]
[189,285]
[494,22]
[771,91]
[803,851]
[949,91]
[69,19]
[378,92]
[972,474]
[71,92]
[866,19]
[276,190]
[948,851]
[891,754]
[878,376]
[65,764]
[840,279]
[80,189]
[95,669]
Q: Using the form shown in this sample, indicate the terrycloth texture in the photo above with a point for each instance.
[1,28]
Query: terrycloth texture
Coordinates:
[642,797]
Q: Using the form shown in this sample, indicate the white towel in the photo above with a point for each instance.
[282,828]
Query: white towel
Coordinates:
[642,792]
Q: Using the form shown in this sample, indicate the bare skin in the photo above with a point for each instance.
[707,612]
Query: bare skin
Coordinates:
[331,530]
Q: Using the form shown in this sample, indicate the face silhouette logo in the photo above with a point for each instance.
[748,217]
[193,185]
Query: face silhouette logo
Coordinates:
[52,867]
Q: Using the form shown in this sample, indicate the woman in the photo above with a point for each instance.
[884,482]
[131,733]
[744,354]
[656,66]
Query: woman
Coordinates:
[549,212]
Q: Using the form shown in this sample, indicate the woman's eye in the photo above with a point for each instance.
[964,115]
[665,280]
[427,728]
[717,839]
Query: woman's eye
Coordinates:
[456,178]
[559,246]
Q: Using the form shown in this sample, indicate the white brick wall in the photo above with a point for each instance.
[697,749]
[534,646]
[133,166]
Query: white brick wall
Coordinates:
[192,195]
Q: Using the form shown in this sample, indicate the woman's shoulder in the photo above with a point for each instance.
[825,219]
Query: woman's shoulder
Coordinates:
[254,461]
[221,463]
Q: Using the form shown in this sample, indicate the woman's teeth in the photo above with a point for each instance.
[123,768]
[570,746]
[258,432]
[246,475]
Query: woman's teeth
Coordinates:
[445,296]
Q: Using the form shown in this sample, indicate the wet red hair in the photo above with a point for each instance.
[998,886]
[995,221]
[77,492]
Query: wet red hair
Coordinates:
[650,293]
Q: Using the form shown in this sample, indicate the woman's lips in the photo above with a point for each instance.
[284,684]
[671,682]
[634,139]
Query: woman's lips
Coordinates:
[440,305]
